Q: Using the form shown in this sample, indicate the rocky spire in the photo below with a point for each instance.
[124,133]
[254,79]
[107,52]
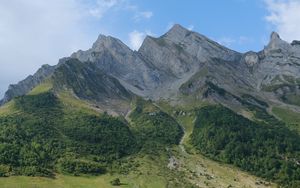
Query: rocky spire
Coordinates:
[277,43]
[274,36]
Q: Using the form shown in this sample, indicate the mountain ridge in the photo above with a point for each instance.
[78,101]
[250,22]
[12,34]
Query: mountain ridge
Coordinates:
[115,111]
[163,65]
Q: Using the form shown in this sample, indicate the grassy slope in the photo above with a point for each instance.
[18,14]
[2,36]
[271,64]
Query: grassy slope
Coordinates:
[63,181]
[291,118]
[7,108]
[199,169]
[44,87]
[208,173]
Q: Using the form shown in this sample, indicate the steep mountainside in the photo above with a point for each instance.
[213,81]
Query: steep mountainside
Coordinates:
[88,81]
[183,62]
[180,97]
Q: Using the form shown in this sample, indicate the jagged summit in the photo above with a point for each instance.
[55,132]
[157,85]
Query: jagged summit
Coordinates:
[104,41]
[177,33]
[176,29]
[274,36]
[165,64]
[277,43]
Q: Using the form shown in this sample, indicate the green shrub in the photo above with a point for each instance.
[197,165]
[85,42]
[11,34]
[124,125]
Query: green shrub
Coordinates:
[115,182]
[4,170]
[78,166]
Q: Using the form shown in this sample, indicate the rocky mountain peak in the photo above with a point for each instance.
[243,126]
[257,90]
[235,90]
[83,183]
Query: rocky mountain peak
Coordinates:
[176,33]
[108,42]
[102,45]
[101,41]
[177,28]
[274,36]
[163,64]
[277,43]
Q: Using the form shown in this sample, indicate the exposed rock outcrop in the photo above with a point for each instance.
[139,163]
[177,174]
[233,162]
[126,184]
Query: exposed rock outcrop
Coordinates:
[181,62]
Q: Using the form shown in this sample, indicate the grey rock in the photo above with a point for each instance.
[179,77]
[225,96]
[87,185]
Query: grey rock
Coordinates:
[183,62]
[251,59]
[86,81]
[116,59]
[24,86]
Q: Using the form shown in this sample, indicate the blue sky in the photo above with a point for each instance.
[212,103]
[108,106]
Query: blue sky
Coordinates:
[239,24]
[236,23]
[36,32]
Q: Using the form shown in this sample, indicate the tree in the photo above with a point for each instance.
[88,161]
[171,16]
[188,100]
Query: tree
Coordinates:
[116,182]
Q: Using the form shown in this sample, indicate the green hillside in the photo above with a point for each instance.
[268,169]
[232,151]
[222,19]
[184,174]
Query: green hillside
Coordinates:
[42,138]
[268,151]
[50,133]
[99,148]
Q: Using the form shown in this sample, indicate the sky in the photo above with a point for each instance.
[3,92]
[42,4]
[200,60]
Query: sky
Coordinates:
[37,32]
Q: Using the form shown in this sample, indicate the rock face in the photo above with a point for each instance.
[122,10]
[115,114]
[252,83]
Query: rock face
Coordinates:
[278,69]
[116,59]
[180,62]
[88,82]
[28,83]
[251,59]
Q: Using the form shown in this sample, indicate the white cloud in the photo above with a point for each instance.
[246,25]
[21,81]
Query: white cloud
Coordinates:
[230,41]
[285,16]
[143,15]
[103,6]
[147,14]
[169,26]
[226,41]
[38,32]
[191,27]
[136,39]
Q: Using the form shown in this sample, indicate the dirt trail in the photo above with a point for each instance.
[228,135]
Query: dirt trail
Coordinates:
[181,145]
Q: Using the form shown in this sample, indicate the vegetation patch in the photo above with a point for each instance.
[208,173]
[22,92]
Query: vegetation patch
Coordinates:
[291,98]
[154,127]
[35,141]
[291,118]
[268,151]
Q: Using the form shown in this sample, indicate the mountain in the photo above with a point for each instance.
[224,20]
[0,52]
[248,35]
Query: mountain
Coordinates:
[183,62]
[180,96]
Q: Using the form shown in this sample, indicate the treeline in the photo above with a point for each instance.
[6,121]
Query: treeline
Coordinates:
[266,150]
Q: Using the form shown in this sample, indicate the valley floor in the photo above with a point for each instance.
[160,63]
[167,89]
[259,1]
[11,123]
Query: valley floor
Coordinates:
[192,168]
